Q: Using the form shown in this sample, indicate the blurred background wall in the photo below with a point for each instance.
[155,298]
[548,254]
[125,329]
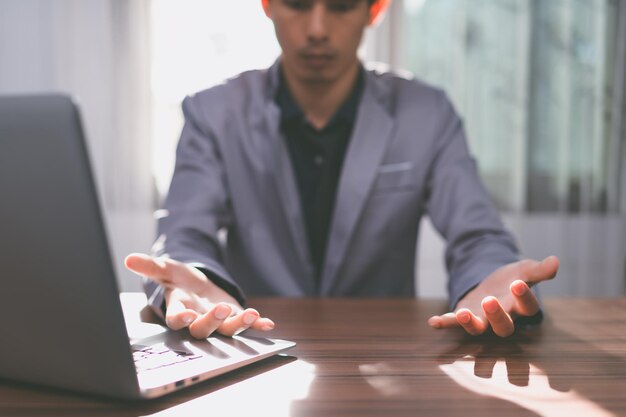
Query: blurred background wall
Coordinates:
[539,84]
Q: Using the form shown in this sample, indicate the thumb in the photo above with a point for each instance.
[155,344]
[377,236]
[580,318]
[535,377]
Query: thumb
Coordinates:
[147,266]
[534,272]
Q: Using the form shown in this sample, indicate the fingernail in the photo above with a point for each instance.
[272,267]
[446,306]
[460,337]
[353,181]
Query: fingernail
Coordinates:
[269,326]
[188,319]
[519,289]
[221,312]
[464,317]
[490,306]
[249,318]
[433,322]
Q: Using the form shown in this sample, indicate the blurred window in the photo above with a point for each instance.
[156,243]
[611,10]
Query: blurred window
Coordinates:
[197,44]
[535,84]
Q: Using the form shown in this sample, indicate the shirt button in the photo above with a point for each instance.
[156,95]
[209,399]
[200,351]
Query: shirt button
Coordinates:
[319,160]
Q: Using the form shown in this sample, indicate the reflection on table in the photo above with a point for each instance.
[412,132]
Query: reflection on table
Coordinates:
[379,358]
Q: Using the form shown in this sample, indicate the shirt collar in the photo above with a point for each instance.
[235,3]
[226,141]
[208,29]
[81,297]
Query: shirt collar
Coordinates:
[290,110]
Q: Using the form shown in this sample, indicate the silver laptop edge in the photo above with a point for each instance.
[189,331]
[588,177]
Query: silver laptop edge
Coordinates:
[61,303]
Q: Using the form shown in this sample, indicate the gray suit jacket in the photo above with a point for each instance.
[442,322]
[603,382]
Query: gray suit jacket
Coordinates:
[407,157]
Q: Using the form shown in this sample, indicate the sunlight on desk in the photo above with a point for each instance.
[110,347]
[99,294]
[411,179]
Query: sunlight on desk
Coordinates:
[380,376]
[537,395]
[273,392]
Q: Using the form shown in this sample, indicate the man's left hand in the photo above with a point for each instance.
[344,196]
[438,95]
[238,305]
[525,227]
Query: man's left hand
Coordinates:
[500,298]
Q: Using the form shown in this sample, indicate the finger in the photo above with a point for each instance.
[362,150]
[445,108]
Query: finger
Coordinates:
[472,324]
[167,272]
[177,315]
[146,266]
[500,321]
[206,324]
[526,303]
[444,321]
[239,322]
[263,323]
[534,272]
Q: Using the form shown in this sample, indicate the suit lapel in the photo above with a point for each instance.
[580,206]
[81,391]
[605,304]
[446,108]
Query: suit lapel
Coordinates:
[366,150]
[288,190]
[268,131]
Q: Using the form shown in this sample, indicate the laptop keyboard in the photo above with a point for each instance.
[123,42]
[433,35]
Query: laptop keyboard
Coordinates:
[157,356]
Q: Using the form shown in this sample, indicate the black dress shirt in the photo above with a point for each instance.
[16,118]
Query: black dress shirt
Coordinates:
[317,157]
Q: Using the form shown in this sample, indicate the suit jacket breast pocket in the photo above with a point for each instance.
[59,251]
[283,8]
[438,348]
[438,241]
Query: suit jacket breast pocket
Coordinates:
[397,176]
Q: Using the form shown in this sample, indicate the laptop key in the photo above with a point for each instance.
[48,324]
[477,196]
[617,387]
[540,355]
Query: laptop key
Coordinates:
[157,356]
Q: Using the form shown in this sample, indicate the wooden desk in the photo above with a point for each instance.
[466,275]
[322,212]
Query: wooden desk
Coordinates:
[379,358]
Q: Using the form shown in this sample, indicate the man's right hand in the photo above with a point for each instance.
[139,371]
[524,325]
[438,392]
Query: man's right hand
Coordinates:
[193,301]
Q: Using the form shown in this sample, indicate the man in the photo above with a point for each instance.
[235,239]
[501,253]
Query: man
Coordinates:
[320,171]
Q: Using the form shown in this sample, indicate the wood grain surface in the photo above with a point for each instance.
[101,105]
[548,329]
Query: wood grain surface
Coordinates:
[368,357]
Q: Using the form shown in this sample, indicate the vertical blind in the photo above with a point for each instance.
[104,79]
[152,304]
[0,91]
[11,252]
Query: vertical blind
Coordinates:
[540,85]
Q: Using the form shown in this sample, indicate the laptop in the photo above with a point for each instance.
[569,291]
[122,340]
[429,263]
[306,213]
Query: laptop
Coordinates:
[60,310]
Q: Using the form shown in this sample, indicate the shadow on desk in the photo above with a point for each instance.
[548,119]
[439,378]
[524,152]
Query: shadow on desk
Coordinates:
[23,399]
[392,364]
[540,371]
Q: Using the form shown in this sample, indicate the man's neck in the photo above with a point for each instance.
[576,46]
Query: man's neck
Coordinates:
[320,101]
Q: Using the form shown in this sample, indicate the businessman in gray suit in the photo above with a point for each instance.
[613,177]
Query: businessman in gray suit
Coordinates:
[319,171]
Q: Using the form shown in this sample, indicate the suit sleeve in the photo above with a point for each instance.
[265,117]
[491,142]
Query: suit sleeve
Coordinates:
[197,207]
[462,211]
